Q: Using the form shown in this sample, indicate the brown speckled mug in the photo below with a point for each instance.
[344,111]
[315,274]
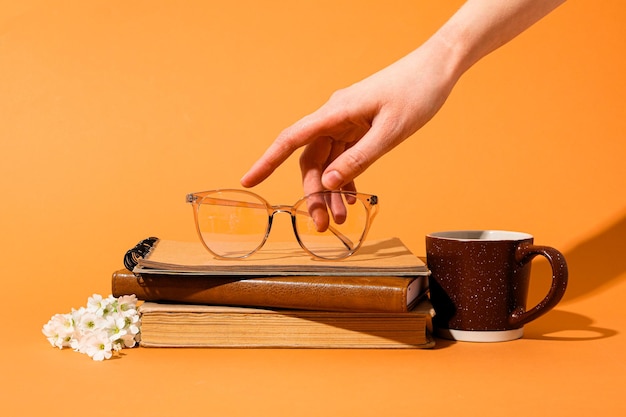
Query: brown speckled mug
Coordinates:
[479,283]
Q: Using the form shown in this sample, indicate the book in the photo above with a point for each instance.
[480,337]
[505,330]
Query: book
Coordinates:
[388,257]
[336,293]
[189,325]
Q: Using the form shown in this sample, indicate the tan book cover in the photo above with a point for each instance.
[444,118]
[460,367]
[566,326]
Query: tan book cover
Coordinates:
[188,325]
[389,257]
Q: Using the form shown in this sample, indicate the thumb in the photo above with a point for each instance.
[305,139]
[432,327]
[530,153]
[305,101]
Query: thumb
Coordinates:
[353,161]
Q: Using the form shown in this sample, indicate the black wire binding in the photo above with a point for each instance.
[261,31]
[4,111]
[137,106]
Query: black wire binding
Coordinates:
[139,251]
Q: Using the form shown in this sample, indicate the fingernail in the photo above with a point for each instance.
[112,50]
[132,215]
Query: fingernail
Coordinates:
[332,180]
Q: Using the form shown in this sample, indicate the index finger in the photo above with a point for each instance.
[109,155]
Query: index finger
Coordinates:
[290,139]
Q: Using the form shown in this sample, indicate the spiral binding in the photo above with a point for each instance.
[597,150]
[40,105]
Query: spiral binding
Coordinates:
[131,259]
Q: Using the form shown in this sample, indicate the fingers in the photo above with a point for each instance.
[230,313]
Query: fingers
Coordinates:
[354,160]
[334,119]
[337,208]
[313,161]
[275,155]
[340,143]
[290,139]
[315,157]
[316,206]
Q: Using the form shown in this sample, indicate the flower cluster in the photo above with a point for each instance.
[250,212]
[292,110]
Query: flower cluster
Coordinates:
[104,326]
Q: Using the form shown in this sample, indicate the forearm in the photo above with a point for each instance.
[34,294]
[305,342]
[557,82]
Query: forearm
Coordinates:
[481,26]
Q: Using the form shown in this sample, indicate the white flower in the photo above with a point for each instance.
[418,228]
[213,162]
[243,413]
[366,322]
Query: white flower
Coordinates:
[94,303]
[104,326]
[88,322]
[116,326]
[59,330]
[127,305]
[130,340]
[133,323]
[100,306]
[97,346]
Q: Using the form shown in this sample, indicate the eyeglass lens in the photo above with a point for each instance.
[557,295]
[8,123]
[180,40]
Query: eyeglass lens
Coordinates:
[235,223]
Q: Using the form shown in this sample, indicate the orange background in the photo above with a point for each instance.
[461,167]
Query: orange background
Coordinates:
[111,111]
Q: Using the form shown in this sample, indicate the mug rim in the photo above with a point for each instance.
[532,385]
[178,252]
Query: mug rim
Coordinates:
[480,235]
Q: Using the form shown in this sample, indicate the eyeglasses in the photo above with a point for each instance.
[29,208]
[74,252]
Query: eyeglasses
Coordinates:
[328,224]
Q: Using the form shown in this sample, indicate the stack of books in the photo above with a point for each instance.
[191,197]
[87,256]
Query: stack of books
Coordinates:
[279,297]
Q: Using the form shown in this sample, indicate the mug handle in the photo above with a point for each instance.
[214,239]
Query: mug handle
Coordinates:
[526,253]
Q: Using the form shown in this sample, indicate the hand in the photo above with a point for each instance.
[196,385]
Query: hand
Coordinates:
[361,123]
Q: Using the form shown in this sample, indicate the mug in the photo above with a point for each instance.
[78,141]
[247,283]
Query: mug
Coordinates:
[479,283]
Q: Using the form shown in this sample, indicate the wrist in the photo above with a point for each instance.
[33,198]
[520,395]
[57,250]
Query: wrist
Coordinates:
[480,27]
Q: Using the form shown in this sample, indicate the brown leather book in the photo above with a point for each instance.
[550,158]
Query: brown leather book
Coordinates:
[322,293]
[192,325]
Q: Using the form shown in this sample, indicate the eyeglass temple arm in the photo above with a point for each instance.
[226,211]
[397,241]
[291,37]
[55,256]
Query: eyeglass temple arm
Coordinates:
[343,238]
[234,203]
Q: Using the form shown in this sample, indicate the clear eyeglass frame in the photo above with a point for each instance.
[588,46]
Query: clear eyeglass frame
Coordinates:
[346,217]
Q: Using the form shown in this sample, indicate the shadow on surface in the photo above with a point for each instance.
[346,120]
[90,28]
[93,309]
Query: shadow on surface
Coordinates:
[557,325]
[593,265]
[565,326]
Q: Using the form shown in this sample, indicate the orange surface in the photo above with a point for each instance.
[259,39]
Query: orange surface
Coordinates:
[110,111]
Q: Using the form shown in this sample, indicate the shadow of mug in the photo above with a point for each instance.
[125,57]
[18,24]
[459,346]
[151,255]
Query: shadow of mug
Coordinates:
[567,327]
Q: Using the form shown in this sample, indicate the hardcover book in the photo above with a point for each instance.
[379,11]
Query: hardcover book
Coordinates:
[335,293]
[189,325]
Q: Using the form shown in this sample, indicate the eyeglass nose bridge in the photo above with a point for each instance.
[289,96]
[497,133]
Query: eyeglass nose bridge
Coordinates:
[280,208]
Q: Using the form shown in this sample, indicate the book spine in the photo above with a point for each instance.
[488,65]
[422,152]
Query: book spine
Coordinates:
[358,294]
